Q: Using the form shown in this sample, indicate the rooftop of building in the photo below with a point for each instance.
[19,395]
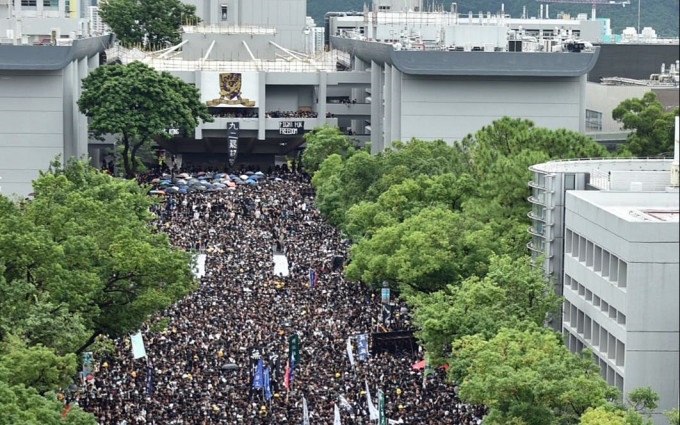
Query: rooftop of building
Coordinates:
[635,207]
[287,62]
[583,165]
[615,174]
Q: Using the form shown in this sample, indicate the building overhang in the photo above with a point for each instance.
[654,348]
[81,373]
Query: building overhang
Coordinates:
[455,63]
[51,58]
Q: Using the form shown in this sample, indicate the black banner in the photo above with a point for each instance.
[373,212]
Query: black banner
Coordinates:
[232,139]
[291,128]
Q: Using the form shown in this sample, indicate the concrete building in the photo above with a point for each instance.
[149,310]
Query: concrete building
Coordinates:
[45,51]
[443,75]
[42,21]
[606,233]
[287,83]
[621,277]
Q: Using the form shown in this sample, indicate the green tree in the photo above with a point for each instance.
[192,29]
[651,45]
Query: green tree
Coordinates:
[154,23]
[328,189]
[527,376]
[322,142]
[83,248]
[652,126]
[643,399]
[510,294]
[407,198]
[673,416]
[422,253]
[36,366]
[25,406]
[139,104]
[605,415]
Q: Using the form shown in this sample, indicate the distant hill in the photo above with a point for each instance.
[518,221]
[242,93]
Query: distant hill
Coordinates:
[662,15]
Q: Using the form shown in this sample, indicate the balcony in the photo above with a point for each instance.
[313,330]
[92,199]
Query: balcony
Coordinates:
[345,109]
[220,123]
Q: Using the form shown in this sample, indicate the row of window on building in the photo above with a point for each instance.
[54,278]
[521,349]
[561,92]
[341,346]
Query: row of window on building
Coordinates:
[606,347]
[601,261]
[585,293]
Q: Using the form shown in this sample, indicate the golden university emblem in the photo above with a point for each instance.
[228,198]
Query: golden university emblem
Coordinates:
[230,91]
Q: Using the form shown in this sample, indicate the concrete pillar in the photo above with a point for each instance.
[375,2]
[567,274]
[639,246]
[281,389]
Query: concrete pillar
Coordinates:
[387,130]
[582,80]
[69,78]
[323,95]
[262,105]
[198,80]
[395,97]
[81,119]
[93,62]
[376,108]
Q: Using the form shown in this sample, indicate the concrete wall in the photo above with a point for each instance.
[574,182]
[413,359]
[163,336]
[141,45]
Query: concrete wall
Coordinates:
[449,108]
[604,99]
[39,119]
[648,299]
[288,16]
[31,126]
[288,98]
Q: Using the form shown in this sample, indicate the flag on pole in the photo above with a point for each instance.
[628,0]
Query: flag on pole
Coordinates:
[362,347]
[267,387]
[382,419]
[305,412]
[294,350]
[258,378]
[312,278]
[286,377]
[149,379]
[372,411]
[336,419]
[349,351]
[65,410]
[138,350]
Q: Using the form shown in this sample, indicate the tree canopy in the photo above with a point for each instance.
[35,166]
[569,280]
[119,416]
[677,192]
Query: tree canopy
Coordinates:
[511,293]
[77,261]
[321,142]
[154,23]
[653,127]
[445,226]
[527,377]
[139,104]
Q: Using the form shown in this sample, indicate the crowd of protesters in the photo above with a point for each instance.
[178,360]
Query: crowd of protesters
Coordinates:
[292,114]
[199,364]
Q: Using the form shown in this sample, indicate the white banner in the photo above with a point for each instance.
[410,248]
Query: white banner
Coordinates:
[372,411]
[199,269]
[138,350]
[349,351]
[336,419]
[305,412]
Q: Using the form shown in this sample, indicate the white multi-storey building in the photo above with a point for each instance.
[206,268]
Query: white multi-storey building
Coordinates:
[606,232]
[621,277]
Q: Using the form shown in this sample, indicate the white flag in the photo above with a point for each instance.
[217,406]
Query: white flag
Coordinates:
[344,403]
[138,350]
[305,412]
[349,351]
[372,411]
[336,420]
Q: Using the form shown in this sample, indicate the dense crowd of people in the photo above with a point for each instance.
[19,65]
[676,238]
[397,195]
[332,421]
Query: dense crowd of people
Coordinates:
[292,114]
[199,365]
